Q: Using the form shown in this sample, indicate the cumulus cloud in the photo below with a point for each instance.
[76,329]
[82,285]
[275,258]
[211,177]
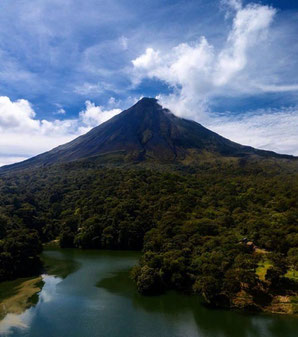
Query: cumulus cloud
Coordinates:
[249,27]
[94,115]
[17,114]
[147,62]
[199,71]
[255,56]
[23,135]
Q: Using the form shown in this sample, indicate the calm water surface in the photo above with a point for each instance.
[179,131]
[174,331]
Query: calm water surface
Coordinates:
[97,299]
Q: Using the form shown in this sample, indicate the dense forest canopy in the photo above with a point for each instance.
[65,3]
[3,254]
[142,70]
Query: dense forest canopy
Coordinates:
[200,228]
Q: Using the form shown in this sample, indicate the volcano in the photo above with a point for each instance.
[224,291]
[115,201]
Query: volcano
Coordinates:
[145,132]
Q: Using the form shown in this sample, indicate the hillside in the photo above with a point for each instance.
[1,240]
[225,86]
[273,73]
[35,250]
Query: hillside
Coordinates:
[219,219]
[190,226]
[146,133]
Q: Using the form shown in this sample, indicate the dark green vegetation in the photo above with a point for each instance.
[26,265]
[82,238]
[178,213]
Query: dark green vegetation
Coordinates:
[19,249]
[147,180]
[190,225]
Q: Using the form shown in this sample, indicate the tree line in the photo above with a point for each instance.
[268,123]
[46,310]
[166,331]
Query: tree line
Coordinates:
[193,225]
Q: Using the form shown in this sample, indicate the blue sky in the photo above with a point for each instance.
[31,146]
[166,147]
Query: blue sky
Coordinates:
[66,66]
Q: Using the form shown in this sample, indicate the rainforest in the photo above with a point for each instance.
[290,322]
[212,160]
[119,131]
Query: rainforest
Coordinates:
[226,231]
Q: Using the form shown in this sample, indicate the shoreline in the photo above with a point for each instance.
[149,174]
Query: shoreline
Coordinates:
[22,297]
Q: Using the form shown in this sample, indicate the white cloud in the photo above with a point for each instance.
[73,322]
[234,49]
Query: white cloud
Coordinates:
[61,111]
[199,71]
[249,26]
[23,135]
[10,159]
[233,4]
[94,115]
[270,129]
[244,64]
[150,59]
[17,114]
[254,58]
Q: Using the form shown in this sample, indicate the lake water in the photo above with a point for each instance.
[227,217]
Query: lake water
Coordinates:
[90,295]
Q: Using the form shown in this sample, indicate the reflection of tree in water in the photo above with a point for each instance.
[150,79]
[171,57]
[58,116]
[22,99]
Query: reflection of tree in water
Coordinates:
[61,267]
[210,322]
[19,295]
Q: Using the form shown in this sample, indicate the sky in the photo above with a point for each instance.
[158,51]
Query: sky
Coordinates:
[67,66]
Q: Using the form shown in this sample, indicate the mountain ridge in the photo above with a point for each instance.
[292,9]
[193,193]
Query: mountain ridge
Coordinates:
[146,131]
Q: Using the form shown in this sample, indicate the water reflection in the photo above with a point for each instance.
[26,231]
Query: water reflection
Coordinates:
[98,299]
[22,304]
[13,321]
[49,290]
[188,311]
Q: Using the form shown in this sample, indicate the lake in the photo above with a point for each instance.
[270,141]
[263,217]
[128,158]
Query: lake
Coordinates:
[90,294]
